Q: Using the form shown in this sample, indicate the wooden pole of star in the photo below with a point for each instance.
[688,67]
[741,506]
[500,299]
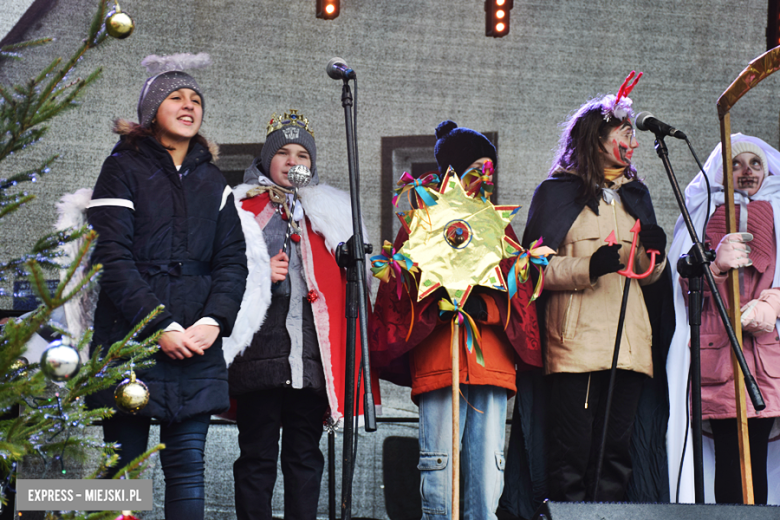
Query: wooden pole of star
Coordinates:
[456,419]
[757,70]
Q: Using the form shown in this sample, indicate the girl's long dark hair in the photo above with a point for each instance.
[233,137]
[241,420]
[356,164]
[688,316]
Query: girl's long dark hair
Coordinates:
[580,147]
[135,133]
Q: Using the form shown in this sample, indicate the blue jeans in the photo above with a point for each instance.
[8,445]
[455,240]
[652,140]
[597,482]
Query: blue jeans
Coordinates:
[482,427]
[182,458]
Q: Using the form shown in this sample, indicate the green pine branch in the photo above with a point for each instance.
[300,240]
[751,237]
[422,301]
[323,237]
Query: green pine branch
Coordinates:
[10,50]
[52,421]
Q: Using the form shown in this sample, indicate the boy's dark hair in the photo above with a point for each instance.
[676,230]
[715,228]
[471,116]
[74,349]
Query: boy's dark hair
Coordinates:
[580,146]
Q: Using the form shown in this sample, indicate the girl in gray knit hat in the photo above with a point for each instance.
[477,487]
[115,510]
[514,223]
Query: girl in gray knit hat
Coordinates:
[168,234]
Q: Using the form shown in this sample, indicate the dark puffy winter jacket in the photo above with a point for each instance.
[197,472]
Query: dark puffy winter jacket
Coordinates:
[173,238]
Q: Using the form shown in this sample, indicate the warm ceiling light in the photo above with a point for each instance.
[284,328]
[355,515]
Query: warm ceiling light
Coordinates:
[328,9]
[497,17]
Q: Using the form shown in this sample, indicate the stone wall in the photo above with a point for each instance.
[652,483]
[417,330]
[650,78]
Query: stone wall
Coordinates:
[418,62]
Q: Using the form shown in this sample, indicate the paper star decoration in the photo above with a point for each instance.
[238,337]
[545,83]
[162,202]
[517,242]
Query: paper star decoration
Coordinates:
[459,242]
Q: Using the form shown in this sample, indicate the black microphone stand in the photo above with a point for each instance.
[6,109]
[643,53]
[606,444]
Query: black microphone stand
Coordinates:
[611,387]
[352,256]
[692,266]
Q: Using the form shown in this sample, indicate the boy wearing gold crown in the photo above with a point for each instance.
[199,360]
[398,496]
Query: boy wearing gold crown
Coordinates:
[286,353]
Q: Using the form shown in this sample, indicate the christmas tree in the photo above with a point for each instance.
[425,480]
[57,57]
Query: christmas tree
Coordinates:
[37,417]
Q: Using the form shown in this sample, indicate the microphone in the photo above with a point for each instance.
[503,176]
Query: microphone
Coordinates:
[338,69]
[299,176]
[647,121]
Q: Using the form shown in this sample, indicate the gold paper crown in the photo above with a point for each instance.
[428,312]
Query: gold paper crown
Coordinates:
[288,118]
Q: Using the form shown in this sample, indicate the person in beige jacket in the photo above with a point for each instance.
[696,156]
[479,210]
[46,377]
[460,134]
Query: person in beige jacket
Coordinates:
[592,192]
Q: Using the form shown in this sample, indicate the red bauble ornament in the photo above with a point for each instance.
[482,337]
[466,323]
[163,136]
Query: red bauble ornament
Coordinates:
[295,237]
[127,515]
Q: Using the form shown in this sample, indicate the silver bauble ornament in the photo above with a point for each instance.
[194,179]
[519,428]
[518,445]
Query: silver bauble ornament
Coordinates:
[131,395]
[60,361]
[119,25]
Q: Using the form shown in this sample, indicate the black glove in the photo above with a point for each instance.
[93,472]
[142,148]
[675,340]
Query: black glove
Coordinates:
[605,260]
[652,236]
[475,307]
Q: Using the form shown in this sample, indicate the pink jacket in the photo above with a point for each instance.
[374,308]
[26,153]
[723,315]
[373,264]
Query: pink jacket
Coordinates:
[762,352]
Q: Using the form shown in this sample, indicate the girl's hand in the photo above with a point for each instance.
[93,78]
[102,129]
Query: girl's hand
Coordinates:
[172,343]
[198,338]
[605,260]
[732,253]
[759,316]
[279,264]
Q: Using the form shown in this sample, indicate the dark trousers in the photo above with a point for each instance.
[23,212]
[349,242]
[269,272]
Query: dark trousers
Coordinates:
[182,458]
[575,434]
[260,415]
[728,473]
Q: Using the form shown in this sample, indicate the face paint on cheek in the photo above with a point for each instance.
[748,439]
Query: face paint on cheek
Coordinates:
[621,152]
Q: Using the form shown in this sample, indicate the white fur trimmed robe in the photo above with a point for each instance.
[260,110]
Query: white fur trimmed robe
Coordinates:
[328,215]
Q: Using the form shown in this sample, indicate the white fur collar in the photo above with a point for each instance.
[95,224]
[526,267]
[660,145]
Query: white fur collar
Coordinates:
[79,310]
[257,296]
[330,214]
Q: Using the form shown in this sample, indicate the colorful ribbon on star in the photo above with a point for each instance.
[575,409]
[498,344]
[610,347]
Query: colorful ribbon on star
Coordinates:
[392,264]
[476,181]
[407,184]
[473,337]
[536,255]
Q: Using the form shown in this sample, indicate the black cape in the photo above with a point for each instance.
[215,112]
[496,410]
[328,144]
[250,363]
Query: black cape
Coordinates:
[554,208]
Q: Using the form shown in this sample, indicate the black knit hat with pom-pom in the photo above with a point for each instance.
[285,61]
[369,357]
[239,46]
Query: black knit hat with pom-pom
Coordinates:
[460,147]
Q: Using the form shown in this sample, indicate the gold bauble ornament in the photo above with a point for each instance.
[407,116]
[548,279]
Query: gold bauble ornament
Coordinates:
[18,368]
[119,25]
[131,395]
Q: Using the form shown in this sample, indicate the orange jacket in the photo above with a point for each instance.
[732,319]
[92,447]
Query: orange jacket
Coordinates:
[431,361]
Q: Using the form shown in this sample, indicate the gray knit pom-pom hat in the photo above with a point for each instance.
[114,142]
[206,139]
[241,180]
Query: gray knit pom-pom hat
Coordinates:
[168,76]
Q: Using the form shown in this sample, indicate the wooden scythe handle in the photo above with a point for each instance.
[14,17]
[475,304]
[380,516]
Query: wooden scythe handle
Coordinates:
[735,316]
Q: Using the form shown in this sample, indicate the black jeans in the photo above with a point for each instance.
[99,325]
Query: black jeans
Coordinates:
[260,415]
[728,472]
[575,434]
[182,458]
